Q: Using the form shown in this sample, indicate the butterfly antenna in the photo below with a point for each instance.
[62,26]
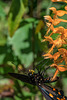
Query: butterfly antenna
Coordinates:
[39,64]
[43,72]
[47,68]
[44,63]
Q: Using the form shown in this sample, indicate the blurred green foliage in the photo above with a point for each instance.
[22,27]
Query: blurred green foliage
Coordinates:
[21,47]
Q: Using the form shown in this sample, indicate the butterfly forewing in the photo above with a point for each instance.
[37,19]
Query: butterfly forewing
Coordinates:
[22,77]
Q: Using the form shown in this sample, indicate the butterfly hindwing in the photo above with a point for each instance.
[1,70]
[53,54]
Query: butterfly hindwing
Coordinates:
[45,91]
[50,93]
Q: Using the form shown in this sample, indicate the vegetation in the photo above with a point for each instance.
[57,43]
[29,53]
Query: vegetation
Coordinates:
[30,31]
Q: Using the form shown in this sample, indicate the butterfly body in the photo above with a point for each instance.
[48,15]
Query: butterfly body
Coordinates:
[32,77]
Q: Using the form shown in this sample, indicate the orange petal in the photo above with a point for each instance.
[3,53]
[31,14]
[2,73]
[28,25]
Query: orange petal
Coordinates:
[65,7]
[62,20]
[48,56]
[48,38]
[53,9]
[56,55]
[66,60]
[57,21]
[53,65]
[59,1]
[51,49]
[62,69]
[56,72]
[62,51]
[48,18]
[61,13]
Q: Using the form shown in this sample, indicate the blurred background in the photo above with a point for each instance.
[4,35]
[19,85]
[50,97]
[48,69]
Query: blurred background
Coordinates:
[22,28]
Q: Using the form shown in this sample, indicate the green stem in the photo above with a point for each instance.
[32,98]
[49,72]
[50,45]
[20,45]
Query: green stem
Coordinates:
[33,44]
[31,8]
[48,11]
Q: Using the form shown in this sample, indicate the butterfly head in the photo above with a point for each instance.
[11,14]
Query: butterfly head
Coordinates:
[31,72]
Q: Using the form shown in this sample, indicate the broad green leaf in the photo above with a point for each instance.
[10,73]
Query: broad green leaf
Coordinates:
[21,43]
[15,15]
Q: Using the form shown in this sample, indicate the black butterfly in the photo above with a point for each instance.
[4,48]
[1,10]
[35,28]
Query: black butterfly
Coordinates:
[38,79]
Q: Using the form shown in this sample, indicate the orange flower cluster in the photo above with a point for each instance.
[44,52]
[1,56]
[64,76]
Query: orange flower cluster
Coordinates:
[59,1]
[61,40]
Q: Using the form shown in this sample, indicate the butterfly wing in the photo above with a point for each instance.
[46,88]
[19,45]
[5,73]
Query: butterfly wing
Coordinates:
[21,77]
[45,93]
[48,94]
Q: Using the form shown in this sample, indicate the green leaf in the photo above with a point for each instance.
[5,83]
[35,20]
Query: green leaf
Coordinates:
[17,98]
[2,40]
[5,55]
[21,43]
[54,36]
[27,93]
[2,56]
[25,2]
[2,13]
[15,15]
